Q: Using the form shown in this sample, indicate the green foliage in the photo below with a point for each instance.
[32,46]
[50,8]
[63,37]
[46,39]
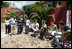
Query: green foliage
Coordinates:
[39,9]
[68,5]
[17,9]
[25,16]
[11,15]
[5,17]
[4,4]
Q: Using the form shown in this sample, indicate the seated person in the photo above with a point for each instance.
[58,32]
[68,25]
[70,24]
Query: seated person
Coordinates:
[43,30]
[31,26]
[63,34]
[35,27]
[52,29]
[52,26]
[65,30]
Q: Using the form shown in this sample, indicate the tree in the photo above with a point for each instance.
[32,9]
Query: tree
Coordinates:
[4,4]
[68,5]
[38,11]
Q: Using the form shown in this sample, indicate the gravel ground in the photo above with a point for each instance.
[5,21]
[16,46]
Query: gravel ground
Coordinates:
[22,41]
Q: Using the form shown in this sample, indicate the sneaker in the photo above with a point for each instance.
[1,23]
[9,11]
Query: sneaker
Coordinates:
[33,35]
[26,33]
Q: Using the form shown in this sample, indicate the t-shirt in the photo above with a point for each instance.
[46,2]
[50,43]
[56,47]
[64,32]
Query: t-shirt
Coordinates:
[32,25]
[7,22]
[55,27]
[13,21]
[35,26]
[27,22]
[44,25]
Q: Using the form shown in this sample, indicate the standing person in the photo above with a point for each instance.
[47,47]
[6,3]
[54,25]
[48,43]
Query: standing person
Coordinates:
[22,18]
[27,26]
[25,21]
[13,24]
[7,25]
[20,25]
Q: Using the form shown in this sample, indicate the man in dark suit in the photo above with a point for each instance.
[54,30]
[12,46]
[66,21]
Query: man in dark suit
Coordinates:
[20,23]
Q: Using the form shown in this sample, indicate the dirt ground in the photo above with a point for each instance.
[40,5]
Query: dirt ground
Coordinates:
[22,41]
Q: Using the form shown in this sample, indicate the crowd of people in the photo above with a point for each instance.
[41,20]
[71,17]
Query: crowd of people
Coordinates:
[60,37]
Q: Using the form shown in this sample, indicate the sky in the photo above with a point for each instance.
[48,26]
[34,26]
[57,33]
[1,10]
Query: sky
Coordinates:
[19,4]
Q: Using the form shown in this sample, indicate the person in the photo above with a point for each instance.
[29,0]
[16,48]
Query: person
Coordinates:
[56,40]
[63,34]
[13,24]
[66,31]
[20,25]
[52,30]
[27,26]
[43,31]
[52,26]
[25,18]
[35,27]
[22,18]
[31,26]
[7,25]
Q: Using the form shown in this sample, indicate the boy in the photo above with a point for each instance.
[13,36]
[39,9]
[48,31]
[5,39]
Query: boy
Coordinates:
[27,26]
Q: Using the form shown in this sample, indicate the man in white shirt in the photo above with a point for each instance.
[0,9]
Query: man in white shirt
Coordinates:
[27,26]
[13,24]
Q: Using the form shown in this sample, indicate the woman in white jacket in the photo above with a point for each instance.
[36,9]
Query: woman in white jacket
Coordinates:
[7,26]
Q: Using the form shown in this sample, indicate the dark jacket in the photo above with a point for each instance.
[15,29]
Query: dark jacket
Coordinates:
[20,22]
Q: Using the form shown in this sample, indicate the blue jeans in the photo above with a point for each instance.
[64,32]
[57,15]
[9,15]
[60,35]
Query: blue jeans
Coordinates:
[57,37]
